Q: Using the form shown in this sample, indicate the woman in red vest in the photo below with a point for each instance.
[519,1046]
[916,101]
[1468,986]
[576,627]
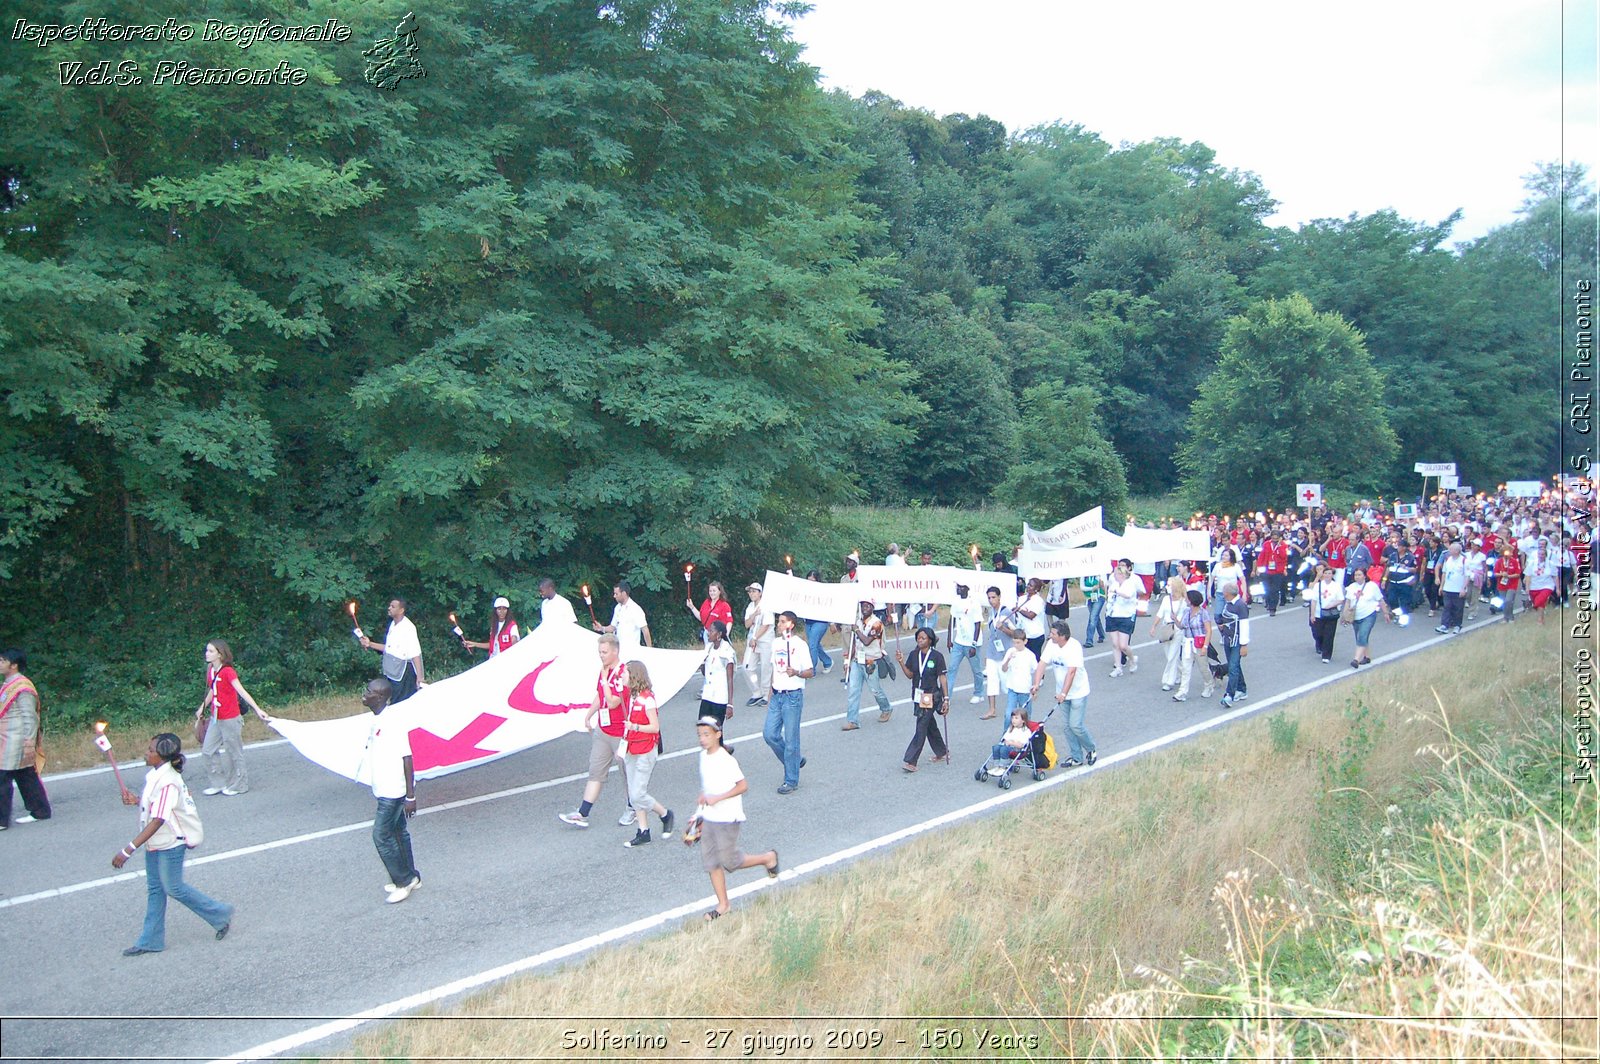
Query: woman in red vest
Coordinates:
[503,635]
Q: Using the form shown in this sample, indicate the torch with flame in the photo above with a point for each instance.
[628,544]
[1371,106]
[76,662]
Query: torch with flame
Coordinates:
[974,552]
[356,631]
[788,564]
[104,743]
[589,602]
[455,626]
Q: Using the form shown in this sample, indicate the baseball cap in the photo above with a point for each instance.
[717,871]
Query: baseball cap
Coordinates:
[709,722]
[502,601]
[752,587]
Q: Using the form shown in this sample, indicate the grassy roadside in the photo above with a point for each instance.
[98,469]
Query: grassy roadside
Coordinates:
[1384,857]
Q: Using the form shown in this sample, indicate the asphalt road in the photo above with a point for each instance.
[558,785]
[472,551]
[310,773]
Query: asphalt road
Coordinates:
[506,885]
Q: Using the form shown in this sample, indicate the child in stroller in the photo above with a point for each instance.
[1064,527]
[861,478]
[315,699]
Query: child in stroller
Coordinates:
[1024,742]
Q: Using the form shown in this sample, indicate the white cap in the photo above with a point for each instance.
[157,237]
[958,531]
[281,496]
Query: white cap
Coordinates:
[502,601]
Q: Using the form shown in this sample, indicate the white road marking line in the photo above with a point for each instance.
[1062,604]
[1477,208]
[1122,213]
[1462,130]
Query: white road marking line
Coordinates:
[294,1042]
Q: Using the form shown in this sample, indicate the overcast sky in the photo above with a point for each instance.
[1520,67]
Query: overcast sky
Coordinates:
[1417,105]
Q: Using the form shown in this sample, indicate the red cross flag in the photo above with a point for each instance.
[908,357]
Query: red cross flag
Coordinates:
[537,691]
[1308,495]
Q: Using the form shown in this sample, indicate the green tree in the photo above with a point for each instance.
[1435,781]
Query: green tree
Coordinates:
[1067,464]
[1294,398]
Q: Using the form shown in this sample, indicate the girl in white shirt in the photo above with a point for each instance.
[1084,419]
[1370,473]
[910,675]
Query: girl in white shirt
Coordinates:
[1227,571]
[721,812]
[1169,612]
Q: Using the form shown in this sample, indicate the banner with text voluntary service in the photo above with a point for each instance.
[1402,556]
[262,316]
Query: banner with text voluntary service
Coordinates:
[1072,532]
[538,690]
[1524,489]
[1436,469]
[1065,564]
[1308,495]
[1141,545]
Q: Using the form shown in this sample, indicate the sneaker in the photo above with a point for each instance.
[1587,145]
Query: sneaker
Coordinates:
[1133,666]
[416,885]
[26,818]
[761,701]
[802,762]
[827,668]
[1327,661]
[232,791]
[1117,671]
[667,820]
[400,894]
[849,725]
[1225,702]
[218,790]
[753,700]
[1180,698]
[788,788]
[1166,687]
[1091,757]
[640,838]
[627,818]
[976,700]
[1241,696]
[1205,692]
[1456,630]
[1071,762]
[575,818]
[1441,629]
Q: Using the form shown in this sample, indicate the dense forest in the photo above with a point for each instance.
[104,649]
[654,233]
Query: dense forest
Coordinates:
[616,286]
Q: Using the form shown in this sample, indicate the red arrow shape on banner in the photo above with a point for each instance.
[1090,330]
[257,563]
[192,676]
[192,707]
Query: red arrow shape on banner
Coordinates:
[430,751]
[523,699]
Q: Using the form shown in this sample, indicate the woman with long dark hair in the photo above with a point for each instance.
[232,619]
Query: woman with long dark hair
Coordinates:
[164,830]
[503,633]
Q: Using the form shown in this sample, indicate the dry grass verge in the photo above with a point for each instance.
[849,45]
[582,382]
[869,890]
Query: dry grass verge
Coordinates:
[1382,853]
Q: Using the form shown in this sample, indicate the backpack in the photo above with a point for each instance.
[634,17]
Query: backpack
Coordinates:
[186,818]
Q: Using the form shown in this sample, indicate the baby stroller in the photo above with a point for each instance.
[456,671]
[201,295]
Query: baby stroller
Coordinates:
[1040,754]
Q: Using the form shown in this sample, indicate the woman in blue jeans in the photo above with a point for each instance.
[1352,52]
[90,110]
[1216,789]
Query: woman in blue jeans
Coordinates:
[815,630]
[1094,596]
[160,806]
[1365,600]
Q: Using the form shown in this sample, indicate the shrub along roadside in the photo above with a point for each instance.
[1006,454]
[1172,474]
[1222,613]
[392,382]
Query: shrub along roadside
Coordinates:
[1199,881]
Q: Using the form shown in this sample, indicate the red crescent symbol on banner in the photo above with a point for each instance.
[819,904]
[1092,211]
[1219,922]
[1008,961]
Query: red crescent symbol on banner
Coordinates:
[430,751]
[523,699]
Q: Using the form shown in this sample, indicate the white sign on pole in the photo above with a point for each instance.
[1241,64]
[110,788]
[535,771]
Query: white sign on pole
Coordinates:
[1464,489]
[1436,469]
[1160,545]
[1524,489]
[1403,510]
[1070,533]
[1308,495]
[1449,483]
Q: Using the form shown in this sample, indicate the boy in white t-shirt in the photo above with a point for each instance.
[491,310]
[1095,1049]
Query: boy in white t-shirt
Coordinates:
[1016,673]
[721,812]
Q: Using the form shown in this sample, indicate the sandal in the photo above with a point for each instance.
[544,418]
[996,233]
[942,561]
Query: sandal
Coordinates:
[713,915]
[772,873]
[987,716]
[906,766]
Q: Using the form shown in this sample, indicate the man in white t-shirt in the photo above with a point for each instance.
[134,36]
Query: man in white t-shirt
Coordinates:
[1452,578]
[966,621]
[1063,655]
[791,667]
[628,622]
[552,607]
[386,767]
[402,653]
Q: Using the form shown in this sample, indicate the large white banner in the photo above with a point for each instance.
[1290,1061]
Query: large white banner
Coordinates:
[811,599]
[1524,489]
[1072,532]
[1162,545]
[1436,469]
[1066,564]
[538,690]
